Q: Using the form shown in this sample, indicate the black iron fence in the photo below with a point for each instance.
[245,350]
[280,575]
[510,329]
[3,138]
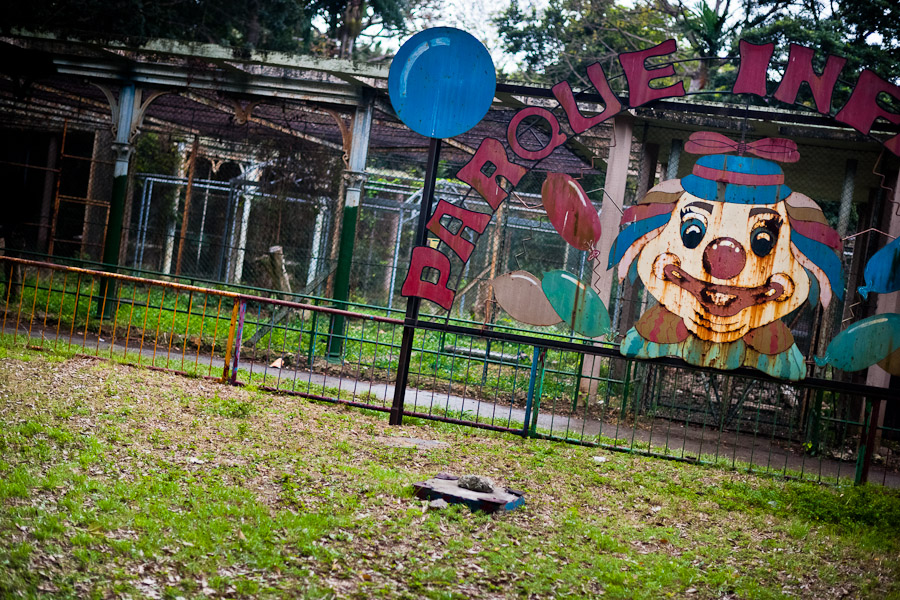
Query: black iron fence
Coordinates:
[495,378]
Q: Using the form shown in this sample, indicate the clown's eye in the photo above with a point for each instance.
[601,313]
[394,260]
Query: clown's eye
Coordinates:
[763,238]
[692,231]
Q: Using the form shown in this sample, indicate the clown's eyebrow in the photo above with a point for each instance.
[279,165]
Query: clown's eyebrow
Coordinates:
[701,205]
[764,211]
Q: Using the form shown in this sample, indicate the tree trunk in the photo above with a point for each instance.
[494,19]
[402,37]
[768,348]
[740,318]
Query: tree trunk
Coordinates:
[253,27]
[350,28]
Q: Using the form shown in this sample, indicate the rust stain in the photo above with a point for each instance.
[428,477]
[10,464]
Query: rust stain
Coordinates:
[724,268]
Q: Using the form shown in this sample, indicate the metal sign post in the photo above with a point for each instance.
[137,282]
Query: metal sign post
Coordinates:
[413,303]
[441,84]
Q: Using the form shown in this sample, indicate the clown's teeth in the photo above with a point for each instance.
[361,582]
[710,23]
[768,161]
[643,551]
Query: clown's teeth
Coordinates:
[720,299]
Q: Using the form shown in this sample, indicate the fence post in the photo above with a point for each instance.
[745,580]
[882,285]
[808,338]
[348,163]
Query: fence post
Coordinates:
[237,342]
[531,380]
[813,425]
[229,345]
[626,388]
[539,393]
[867,441]
[233,346]
[537,371]
[314,328]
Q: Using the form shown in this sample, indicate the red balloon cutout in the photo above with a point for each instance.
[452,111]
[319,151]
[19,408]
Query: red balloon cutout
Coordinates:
[570,211]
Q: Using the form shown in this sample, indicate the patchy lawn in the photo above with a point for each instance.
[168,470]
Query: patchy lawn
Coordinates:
[119,481]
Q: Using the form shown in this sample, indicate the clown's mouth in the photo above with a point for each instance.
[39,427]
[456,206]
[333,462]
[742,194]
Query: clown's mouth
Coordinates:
[728,300]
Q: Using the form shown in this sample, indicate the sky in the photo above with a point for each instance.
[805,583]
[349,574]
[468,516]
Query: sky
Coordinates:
[473,16]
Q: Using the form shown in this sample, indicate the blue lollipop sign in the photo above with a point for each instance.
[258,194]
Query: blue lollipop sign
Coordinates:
[442,82]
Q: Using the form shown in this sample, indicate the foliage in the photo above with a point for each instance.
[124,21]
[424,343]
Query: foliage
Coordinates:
[866,33]
[568,35]
[347,19]
[155,153]
[265,24]
[283,25]
[559,41]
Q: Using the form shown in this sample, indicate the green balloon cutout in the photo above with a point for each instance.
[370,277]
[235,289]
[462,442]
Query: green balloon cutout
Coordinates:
[576,304]
[863,344]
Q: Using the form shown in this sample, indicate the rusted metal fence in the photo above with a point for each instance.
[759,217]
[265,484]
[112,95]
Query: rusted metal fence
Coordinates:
[487,378]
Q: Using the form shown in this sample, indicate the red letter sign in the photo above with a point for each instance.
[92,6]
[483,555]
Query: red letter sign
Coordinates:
[439,293]
[578,122]
[639,76]
[468,218]
[556,137]
[800,70]
[751,77]
[491,156]
[862,108]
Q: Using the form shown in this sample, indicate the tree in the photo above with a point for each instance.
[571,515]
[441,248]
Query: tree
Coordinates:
[559,41]
[865,32]
[264,24]
[711,31]
[348,19]
[568,35]
[285,25]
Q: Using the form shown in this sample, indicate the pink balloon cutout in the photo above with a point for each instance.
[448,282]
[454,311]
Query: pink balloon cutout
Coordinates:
[570,211]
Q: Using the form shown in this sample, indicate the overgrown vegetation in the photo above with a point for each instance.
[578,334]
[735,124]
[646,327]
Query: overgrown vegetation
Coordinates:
[116,480]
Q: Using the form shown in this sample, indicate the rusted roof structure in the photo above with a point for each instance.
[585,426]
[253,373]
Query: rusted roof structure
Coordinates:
[223,95]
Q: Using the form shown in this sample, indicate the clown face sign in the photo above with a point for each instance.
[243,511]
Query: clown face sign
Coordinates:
[727,252]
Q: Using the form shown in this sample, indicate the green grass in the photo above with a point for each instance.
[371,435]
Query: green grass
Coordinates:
[117,480]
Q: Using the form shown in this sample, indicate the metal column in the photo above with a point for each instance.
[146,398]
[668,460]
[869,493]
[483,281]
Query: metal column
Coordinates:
[359,149]
[124,112]
[122,148]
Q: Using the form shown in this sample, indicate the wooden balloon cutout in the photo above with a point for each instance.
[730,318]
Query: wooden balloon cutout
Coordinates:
[576,304]
[883,271]
[864,343]
[519,293]
[570,211]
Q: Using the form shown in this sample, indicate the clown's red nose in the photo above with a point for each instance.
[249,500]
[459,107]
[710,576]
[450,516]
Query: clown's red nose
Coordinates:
[724,258]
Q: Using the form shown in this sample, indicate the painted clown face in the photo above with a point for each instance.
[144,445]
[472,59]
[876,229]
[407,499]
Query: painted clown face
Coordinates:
[727,251]
[723,267]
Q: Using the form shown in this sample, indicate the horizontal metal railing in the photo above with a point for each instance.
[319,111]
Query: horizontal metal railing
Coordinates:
[818,429]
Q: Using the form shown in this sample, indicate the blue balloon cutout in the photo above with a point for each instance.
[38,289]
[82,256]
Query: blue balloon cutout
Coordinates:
[883,271]
[442,82]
